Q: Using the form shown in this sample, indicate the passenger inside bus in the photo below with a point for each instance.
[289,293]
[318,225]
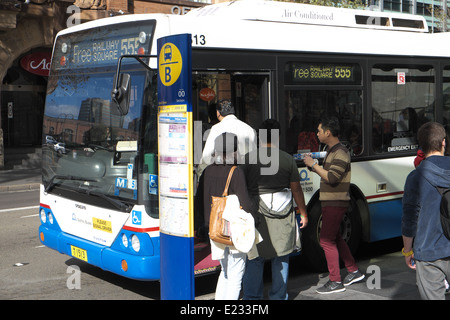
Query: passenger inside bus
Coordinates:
[307,107]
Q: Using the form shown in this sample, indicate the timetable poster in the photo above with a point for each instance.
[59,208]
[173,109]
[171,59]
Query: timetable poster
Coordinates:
[173,137]
[174,172]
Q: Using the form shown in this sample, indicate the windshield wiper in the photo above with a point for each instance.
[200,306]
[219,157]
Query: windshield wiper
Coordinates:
[95,147]
[116,203]
[51,184]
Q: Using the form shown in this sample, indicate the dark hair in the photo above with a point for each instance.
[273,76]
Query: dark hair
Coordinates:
[332,124]
[225,149]
[225,107]
[212,112]
[447,140]
[430,136]
[269,125]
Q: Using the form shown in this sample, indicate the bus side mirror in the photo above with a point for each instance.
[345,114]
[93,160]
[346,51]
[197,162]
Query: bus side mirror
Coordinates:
[121,95]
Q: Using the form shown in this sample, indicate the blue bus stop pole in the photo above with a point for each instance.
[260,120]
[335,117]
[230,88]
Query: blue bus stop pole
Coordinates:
[176,215]
[177,268]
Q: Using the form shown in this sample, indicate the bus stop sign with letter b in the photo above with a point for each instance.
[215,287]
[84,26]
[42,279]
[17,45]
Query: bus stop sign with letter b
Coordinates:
[175,176]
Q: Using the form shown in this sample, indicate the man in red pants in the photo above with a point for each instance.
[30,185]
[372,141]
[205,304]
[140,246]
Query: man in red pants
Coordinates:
[335,197]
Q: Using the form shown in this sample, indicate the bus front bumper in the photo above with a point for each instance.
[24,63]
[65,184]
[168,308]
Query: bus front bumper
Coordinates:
[138,267]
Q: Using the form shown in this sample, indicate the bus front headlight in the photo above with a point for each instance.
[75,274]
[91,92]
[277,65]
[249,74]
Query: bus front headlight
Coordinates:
[43,216]
[135,243]
[124,240]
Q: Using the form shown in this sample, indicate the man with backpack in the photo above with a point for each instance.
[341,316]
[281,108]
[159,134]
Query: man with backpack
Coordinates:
[421,220]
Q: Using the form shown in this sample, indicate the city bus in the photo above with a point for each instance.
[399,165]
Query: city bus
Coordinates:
[382,74]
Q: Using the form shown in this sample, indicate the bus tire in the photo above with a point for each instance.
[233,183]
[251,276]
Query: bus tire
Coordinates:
[351,230]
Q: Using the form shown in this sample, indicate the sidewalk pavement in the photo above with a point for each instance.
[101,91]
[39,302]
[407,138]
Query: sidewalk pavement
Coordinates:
[396,281]
[20,180]
[387,278]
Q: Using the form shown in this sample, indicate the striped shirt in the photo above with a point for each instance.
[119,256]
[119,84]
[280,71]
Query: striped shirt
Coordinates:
[336,192]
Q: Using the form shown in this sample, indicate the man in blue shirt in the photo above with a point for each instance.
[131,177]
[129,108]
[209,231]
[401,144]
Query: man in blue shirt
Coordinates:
[421,214]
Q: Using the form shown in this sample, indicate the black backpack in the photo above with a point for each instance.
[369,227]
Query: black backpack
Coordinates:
[445,210]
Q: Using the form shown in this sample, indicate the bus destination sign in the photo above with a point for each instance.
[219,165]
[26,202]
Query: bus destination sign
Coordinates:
[103,51]
[102,46]
[322,73]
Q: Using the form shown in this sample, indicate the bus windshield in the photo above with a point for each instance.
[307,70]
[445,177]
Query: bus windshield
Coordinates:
[90,146]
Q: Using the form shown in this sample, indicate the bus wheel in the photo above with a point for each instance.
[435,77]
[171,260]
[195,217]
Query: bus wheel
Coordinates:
[351,230]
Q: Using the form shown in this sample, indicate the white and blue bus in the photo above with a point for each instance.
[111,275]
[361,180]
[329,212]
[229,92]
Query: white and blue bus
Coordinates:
[381,74]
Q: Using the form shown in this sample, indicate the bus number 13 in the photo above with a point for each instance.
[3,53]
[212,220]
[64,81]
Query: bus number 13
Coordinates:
[198,39]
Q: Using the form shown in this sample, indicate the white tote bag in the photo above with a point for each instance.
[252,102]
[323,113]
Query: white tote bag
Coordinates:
[242,224]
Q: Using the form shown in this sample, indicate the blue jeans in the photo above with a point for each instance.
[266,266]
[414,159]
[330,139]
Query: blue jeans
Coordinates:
[253,279]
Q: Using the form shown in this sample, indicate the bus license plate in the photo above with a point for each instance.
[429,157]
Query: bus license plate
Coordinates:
[79,253]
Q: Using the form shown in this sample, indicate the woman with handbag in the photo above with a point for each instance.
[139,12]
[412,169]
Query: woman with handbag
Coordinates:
[213,183]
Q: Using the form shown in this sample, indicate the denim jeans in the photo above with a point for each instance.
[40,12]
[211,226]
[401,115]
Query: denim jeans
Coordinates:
[230,278]
[253,278]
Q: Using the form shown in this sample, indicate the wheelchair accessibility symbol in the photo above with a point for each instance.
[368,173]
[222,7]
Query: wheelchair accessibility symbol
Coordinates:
[136,217]
[153,184]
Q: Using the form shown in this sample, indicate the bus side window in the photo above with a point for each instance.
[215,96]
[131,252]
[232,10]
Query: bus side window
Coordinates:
[402,100]
[307,107]
[446,94]
[354,137]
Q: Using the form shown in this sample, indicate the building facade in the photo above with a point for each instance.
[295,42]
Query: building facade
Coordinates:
[28,29]
[436,12]
[27,32]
